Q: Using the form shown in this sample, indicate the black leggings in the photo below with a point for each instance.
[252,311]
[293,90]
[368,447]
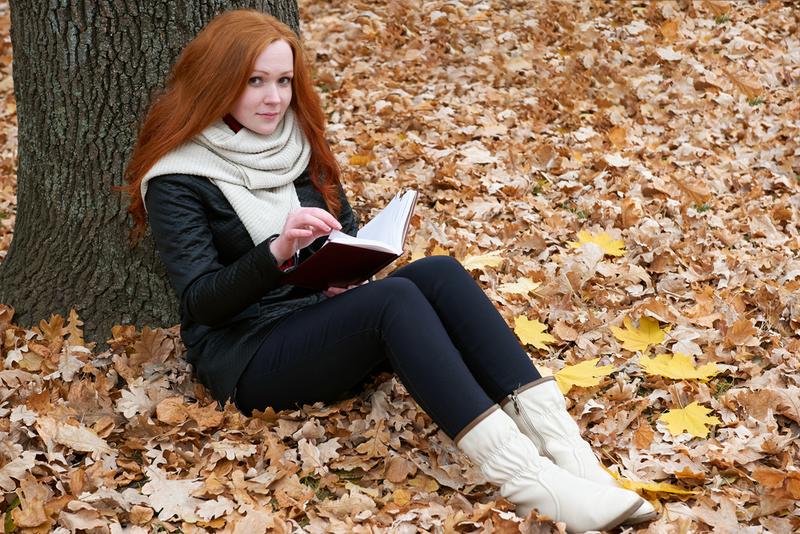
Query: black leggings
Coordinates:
[444,339]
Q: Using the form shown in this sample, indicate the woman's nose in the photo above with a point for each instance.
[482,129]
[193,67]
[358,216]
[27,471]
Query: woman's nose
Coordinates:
[271,94]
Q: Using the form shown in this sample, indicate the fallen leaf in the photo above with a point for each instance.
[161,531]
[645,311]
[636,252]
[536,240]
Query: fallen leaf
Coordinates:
[742,333]
[171,498]
[360,160]
[617,160]
[74,329]
[654,487]
[669,30]
[693,419]
[401,497]
[424,483]
[679,366]
[522,286]
[609,245]
[76,437]
[398,469]
[31,512]
[491,259]
[584,374]
[532,332]
[639,338]
[618,136]
[16,469]
[172,411]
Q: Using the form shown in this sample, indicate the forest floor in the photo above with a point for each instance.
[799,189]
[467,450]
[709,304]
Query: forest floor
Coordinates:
[622,178]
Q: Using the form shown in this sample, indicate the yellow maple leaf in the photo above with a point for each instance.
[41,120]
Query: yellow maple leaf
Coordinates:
[693,419]
[584,374]
[648,333]
[523,286]
[532,332]
[491,259]
[610,246]
[679,366]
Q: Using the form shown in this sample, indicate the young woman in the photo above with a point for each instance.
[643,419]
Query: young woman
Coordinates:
[238,181]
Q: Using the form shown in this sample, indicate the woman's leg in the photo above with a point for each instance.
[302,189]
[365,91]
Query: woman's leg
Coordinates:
[489,348]
[321,351]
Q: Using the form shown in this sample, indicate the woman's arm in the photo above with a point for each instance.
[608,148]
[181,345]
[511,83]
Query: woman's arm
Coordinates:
[210,293]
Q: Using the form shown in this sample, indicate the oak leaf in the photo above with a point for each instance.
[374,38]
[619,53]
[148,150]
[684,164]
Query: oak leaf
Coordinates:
[532,332]
[523,286]
[679,366]
[481,261]
[172,411]
[16,468]
[52,329]
[742,333]
[76,437]
[171,498]
[398,469]
[584,374]
[74,329]
[609,245]
[693,419]
[153,346]
[32,511]
[6,314]
[633,338]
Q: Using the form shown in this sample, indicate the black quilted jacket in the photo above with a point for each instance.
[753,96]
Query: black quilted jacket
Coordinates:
[228,287]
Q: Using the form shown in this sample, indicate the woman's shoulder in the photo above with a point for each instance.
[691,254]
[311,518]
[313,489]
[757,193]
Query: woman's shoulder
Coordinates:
[182,183]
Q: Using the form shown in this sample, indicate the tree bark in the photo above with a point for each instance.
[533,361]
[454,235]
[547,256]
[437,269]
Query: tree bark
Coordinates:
[83,74]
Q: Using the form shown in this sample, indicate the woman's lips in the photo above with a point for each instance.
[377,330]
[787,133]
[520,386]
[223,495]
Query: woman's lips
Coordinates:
[267,115]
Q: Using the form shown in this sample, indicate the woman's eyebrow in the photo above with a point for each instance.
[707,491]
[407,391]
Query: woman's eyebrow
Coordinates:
[267,72]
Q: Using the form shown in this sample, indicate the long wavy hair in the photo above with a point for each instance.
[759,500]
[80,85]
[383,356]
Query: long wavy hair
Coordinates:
[209,76]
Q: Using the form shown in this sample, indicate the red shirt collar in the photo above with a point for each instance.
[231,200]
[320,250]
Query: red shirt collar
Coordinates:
[232,123]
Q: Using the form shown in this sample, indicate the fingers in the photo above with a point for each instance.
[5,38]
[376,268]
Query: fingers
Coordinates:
[333,291]
[314,217]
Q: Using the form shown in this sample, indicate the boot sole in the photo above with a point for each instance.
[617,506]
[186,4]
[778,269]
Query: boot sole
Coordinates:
[621,517]
[633,519]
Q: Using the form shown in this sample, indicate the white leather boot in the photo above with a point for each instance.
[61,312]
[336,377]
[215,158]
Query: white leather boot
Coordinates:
[540,412]
[509,459]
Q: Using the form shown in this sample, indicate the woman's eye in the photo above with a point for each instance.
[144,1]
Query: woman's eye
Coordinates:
[285,80]
[255,80]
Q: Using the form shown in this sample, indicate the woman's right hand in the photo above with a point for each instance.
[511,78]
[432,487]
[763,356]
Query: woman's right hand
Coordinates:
[302,228]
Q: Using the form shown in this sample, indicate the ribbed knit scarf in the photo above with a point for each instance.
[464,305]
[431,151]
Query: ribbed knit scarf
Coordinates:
[255,172]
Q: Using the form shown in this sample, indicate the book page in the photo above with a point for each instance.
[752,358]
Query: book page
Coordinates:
[339,237]
[389,225]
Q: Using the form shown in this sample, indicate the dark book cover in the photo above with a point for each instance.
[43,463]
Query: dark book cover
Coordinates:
[338,265]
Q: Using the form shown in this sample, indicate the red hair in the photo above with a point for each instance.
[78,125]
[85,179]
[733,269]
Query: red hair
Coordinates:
[209,76]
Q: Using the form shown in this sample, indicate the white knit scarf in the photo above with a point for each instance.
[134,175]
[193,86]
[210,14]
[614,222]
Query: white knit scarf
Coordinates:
[255,172]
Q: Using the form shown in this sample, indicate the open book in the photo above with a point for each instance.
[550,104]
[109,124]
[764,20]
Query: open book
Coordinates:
[345,260]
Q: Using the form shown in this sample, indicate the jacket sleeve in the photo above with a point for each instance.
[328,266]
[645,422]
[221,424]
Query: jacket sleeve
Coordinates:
[209,292]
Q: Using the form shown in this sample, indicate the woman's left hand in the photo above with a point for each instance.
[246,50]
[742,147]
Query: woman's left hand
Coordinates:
[333,291]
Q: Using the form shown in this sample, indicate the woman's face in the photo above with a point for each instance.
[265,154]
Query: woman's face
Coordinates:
[264,101]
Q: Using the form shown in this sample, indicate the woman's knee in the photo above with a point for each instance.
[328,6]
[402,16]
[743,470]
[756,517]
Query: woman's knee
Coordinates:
[394,290]
[434,268]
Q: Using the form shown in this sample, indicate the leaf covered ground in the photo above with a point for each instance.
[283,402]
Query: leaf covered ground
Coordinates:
[623,179]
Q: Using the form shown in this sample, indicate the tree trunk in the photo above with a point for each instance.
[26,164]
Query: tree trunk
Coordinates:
[83,73]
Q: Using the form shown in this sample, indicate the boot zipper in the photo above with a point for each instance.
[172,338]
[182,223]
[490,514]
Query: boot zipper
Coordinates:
[530,426]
